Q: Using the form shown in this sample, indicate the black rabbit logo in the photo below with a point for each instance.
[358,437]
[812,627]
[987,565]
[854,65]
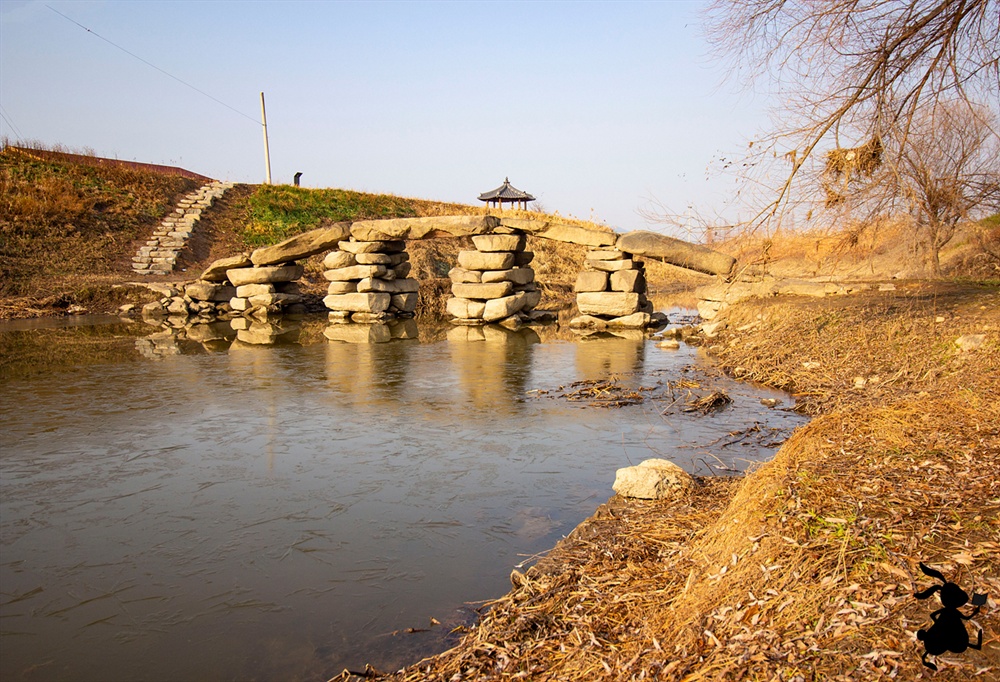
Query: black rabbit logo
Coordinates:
[947,632]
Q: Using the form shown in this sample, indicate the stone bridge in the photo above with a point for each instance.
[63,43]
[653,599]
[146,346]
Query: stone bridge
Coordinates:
[367,266]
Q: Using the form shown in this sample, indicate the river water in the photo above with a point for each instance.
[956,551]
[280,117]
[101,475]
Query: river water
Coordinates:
[190,507]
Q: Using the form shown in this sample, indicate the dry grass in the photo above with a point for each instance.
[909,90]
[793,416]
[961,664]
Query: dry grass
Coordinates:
[884,249]
[60,222]
[867,348]
[806,568]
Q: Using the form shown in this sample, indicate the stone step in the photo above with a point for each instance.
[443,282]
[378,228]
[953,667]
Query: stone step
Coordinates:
[159,254]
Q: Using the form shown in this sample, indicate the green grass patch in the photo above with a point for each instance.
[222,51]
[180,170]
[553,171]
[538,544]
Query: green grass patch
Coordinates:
[277,212]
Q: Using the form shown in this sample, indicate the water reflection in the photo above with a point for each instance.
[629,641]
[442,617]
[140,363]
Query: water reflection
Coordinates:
[255,333]
[276,511]
[604,354]
[492,363]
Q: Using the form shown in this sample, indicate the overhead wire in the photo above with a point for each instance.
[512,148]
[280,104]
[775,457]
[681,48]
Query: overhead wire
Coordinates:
[6,117]
[150,64]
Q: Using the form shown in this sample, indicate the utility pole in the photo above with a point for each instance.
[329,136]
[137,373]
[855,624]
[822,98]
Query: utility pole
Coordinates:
[267,154]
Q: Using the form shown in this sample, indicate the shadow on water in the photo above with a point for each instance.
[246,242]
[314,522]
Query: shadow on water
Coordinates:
[287,499]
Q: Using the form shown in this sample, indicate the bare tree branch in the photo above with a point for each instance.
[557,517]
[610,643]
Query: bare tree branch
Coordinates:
[855,69]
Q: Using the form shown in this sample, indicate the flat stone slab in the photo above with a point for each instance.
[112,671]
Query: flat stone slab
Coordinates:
[519,276]
[629,281]
[302,245]
[465,308]
[264,275]
[339,259]
[209,291]
[591,280]
[608,303]
[216,272]
[348,287]
[359,302]
[396,286]
[423,228]
[355,272]
[633,321]
[482,292]
[248,290]
[274,299]
[374,259]
[478,260]
[609,265]
[499,242]
[404,303]
[573,234]
[676,252]
[463,276]
[499,308]
[374,246]
[608,254]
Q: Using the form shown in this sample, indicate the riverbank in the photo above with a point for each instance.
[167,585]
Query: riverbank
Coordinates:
[805,569]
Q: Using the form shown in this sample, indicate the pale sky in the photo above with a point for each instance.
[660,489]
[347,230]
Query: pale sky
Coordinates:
[596,108]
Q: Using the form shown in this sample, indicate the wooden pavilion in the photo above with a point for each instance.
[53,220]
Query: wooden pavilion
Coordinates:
[506,194]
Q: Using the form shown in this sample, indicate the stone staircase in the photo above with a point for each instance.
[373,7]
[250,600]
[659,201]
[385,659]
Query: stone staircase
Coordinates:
[159,254]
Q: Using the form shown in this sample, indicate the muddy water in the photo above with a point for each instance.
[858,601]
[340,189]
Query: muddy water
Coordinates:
[217,511]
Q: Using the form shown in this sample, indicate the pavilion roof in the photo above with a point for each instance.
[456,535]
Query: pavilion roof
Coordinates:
[506,193]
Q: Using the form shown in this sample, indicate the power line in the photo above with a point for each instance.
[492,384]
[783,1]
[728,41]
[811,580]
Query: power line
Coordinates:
[166,73]
[6,117]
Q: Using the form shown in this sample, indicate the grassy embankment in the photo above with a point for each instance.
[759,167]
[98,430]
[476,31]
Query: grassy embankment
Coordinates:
[805,569]
[68,231]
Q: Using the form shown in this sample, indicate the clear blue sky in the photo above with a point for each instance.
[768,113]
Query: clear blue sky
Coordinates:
[595,108]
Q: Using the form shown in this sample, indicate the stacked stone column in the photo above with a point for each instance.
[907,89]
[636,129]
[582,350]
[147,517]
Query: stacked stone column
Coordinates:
[611,292]
[272,287]
[493,282]
[369,283]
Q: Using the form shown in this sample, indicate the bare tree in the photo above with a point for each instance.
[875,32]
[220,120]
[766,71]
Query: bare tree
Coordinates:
[852,73]
[942,169]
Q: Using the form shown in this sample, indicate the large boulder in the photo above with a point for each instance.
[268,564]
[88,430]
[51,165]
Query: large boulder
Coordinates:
[676,252]
[653,479]
[302,245]
[423,228]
